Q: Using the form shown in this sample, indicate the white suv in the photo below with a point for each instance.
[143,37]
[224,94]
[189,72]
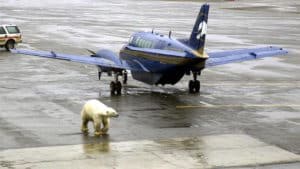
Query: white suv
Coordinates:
[9,36]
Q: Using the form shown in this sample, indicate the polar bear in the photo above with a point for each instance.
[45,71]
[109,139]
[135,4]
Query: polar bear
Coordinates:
[97,112]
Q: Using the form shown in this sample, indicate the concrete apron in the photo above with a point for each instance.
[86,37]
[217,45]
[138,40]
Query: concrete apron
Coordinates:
[199,152]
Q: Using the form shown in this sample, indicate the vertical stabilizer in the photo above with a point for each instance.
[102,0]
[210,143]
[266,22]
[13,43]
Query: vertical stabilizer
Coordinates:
[197,39]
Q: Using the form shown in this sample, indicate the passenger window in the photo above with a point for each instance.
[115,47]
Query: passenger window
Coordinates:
[2,31]
[148,44]
[152,45]
[12,29]
[137,42]
[143,43]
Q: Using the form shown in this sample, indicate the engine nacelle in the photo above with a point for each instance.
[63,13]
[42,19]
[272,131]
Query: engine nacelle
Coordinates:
[109,55]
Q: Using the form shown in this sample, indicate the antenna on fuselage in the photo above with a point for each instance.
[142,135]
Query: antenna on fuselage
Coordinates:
[152,30]
[170,33]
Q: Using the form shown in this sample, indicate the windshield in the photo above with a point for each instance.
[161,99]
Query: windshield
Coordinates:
[2,31]
[12,29]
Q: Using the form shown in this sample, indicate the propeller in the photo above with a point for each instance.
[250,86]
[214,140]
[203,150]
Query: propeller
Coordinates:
[92,52]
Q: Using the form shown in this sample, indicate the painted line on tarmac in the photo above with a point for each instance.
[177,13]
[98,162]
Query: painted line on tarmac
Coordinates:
[206,104]
[237,106]
[293,83]
[292,122]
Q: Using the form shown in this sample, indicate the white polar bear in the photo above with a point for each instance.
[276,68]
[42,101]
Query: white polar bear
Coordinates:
[94,110]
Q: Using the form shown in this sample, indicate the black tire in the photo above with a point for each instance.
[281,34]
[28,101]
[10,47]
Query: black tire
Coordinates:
[10,45]
[119,88]
[112,88]
[125,77]
[197,86]
[191,86]
[99,75]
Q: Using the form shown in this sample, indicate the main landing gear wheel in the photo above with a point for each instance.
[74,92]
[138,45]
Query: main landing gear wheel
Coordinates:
[125,77]
[112,88]
[194,86]
[116,85]
[99,75]
[118,88]
[115,88]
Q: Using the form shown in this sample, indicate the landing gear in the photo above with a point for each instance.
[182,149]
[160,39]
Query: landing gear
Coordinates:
[99,75]
[124,77]
[194,85]
[99,72]
[116,86]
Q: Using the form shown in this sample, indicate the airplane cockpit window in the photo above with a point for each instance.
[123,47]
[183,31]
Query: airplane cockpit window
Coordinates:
[130,40]
[142,43]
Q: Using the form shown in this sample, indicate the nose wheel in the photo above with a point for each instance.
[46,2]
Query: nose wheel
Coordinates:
[194,85]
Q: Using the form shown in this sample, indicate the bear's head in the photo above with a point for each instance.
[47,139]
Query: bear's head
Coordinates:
[110,112]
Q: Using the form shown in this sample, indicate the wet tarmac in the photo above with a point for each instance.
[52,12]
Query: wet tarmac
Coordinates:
[41,99]
[218,151]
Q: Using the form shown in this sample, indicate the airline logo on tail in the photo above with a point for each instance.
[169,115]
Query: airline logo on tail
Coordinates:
[202,29]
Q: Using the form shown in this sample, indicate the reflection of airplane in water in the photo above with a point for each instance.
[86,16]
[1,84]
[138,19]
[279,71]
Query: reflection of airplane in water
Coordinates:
[157,59]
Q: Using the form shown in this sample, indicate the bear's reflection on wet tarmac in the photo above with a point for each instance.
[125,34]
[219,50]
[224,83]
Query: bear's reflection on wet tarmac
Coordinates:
[95,145]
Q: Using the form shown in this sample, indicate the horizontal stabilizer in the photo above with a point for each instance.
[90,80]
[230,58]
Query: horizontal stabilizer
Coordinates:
[225,57]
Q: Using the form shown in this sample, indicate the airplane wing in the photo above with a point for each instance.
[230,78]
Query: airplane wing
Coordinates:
[225,57]
[75,58]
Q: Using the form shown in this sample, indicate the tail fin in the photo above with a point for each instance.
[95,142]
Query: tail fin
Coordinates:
[197,39]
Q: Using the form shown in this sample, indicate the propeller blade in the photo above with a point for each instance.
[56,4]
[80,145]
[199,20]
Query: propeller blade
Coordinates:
[92,52]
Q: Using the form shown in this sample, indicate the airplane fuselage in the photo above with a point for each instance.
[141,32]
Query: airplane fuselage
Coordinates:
[164,60]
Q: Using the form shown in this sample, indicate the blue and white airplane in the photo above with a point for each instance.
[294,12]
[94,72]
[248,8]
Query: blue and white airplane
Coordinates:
[156,59]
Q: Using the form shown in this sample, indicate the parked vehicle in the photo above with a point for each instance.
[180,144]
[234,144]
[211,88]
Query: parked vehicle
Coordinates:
[10,35]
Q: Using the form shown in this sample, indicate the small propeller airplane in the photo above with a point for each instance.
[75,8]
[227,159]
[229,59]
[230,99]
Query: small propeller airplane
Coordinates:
[156,59]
